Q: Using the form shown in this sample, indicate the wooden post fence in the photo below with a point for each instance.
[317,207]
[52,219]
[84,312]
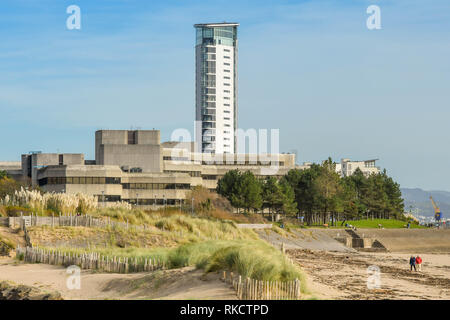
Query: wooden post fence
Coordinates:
[92,260]
[252,289]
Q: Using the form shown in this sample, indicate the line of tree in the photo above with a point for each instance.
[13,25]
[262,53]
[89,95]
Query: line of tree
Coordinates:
[318,193]
[245,191]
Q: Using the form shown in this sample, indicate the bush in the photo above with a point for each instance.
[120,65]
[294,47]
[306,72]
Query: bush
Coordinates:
[6,246]
[15,211]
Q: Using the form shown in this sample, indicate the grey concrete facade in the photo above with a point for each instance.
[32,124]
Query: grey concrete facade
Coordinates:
[134,166]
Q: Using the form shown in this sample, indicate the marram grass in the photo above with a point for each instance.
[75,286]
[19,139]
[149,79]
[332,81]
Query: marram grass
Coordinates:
[249,258]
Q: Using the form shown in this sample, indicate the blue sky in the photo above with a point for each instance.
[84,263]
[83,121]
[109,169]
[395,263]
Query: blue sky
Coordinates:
[309,68]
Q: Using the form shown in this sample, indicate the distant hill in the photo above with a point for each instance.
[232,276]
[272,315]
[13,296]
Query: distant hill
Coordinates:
[420,199]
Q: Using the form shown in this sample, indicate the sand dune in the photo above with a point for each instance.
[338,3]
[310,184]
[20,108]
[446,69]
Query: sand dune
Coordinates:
[185,283]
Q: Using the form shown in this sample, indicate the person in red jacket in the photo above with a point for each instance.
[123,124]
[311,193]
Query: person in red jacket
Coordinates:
[419,263]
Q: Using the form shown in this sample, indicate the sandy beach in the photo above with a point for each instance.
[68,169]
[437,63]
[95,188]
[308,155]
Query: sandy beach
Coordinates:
[338,275]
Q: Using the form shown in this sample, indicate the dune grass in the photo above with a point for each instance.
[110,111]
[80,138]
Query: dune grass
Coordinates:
[250,258]
[207,243]
[161,231]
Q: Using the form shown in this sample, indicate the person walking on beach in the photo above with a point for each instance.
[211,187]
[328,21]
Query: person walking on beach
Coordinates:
[412,263]
[419,263]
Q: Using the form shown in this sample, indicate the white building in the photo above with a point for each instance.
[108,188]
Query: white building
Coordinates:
[216,87]
[347,167]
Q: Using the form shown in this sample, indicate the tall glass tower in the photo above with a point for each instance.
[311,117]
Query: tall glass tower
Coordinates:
[216,87]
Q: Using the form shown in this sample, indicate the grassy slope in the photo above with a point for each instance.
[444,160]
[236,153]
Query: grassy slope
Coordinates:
[386,223]
[161,231]
[250,258]
[178,240]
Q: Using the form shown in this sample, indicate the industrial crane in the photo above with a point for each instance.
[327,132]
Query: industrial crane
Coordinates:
[437,211]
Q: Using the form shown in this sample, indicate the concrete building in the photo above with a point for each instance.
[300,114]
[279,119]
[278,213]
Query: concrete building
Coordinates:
[216,55]
[13,168]
[347,167]
[134,166]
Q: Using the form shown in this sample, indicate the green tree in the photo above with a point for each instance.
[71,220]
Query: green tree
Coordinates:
[228,184]
[272,195]
[328,189]
[250,192]
[8,186]
[306,196]
[395,204]
[289,206]
[243,190]
[3,174]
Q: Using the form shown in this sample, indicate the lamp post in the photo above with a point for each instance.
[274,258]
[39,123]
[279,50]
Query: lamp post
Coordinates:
[137,200]
[192,206]
[103,198]
[154,203]
[164,203]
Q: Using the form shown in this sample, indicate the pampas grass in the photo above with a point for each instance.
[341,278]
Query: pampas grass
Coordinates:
[56,202]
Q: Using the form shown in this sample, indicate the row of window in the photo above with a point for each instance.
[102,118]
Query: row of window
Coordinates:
[246,163]
[79,180]
[156,186]
[175,158]
[209,177]
[108,198]
[158,202]
[191,173]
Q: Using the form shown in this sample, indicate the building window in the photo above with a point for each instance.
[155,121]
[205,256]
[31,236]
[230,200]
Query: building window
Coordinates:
[226,118]
[209,177]
[225,77]
[175,158]
[79,180]
[131,137]
[226,111]
[225,70]
[156,186]
[226,57]
[226,84]
[226,50]
[226,64]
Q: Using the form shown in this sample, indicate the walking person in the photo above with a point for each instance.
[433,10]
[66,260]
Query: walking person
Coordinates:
[419,263]
[412,263]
